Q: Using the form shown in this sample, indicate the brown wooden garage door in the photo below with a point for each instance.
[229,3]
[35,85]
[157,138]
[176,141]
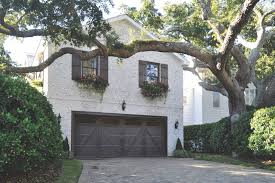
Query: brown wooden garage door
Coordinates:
[115,136]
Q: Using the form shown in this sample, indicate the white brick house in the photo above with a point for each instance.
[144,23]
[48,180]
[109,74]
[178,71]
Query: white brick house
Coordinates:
[95,124]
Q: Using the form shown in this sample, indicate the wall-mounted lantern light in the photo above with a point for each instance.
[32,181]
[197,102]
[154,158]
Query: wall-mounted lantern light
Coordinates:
[176,124]
[123,106]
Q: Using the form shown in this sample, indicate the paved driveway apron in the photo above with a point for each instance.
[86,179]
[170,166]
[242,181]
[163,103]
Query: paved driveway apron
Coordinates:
[168,170]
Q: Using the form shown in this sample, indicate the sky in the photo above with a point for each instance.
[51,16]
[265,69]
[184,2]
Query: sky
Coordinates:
[19,48]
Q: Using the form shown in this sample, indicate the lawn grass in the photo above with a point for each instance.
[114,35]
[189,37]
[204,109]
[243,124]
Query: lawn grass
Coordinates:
[71,171]
[269,165]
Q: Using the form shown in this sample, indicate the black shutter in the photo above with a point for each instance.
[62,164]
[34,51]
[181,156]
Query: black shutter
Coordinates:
[103,73]
[76,67]
[142,71]
[164,74]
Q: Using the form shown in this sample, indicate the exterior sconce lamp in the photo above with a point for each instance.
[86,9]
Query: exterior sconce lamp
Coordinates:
[176,124]
[123,106]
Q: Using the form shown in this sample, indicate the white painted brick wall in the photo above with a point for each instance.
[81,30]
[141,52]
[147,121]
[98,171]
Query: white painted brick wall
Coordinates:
[65,95]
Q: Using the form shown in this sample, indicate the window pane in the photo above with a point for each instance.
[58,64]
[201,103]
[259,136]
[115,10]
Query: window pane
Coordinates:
[152,72]
[216,99]
[89,67]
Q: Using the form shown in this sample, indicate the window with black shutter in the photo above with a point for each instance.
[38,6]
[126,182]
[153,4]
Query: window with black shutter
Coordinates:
[152,72]
[97,66]
[76,67]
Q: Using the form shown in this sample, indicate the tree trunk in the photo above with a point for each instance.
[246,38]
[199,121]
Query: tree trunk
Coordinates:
[236,103]
[235,92]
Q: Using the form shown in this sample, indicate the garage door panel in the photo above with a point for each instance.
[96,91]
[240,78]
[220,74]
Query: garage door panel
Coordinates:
[85,128]
[153,141]
[87,140]
[117,136]
[134,151]
[133,136]
[110,140]
[109,151]
[86,135]
[133,141]
[115,131]
[153,151]
[154,131]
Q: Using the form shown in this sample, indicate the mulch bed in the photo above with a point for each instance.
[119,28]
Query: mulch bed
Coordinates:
[45,175]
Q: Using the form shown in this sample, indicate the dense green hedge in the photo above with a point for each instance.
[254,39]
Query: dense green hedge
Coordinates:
[210,138]
[241,131]
[262,138]
[30,135]
[252,134]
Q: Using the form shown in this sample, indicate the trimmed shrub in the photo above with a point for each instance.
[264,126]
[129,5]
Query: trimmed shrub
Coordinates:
[179,145]
[209,138]
[30,135]
[182,154]
[240,133]
[66,147]
[262,139]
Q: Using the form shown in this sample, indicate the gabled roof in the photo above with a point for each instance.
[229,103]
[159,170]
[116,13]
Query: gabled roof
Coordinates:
[132,22]
[140,28]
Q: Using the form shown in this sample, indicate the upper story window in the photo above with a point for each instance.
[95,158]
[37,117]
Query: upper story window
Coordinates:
[90,67]
[96,66]
[216,99]
[152,72]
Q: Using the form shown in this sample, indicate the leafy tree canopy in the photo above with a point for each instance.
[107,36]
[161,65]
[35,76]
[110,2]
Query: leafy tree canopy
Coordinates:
[148,15]
[55,19]
[184,22]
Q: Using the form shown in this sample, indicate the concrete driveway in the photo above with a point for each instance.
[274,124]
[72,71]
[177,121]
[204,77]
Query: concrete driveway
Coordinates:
[168,170]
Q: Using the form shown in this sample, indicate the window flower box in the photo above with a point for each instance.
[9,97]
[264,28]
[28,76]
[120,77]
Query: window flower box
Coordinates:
[94,82]
[154,89]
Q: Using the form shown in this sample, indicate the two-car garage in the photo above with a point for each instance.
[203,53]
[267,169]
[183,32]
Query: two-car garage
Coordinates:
[96,135]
